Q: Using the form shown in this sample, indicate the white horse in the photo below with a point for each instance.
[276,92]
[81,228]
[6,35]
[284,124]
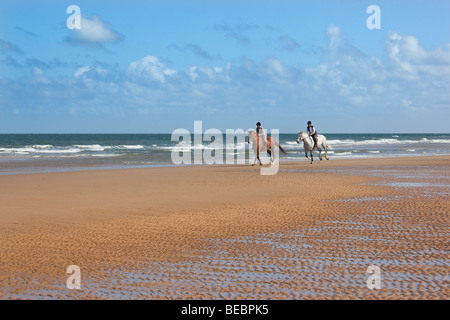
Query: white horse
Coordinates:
[261,145]
[308,144]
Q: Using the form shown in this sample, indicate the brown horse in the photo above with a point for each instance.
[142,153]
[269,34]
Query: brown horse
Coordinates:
[261,145]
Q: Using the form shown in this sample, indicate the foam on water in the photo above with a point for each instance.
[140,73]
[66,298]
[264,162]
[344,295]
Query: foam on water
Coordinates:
[104,149]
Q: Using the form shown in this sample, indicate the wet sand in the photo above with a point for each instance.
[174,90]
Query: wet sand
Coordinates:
[227,232]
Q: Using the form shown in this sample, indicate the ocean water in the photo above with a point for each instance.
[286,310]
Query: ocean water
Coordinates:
[29,153]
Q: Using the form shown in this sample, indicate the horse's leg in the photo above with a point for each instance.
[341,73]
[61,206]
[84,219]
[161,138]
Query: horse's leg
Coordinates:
[312,158]
[306,155]
[257,153]
[326,154]
[257,150]
[256,157]
[269,149]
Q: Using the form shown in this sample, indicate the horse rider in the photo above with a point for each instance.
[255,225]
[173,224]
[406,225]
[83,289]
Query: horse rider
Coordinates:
[261,133]
[312,133]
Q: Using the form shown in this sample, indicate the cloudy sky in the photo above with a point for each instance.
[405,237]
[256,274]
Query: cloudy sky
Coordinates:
[154,66]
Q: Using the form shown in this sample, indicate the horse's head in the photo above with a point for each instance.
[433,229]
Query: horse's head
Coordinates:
[301,136]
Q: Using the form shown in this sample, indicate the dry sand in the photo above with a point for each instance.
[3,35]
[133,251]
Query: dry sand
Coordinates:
[227,232]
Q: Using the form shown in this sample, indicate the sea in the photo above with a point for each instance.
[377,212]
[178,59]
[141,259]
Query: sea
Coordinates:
[35,153]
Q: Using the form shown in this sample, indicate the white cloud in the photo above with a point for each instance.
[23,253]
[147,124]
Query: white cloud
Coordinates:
[335,35]
[192,73]
[81,70]
[207,73]
[411,61]
[348,79]
[93,31]
[409,77]
[150,68]
[92,72]
[346,83]
[277,70]
[39,76]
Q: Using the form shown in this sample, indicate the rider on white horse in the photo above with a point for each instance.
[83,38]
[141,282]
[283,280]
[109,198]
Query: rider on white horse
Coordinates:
[312,133]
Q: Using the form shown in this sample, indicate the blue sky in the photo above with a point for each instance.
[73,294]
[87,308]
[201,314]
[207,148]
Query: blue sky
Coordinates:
[154,66]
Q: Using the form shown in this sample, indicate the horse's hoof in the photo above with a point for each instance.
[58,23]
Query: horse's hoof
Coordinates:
[253,165]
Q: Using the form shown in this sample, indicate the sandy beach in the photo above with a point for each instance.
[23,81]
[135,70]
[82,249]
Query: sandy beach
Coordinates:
[227,232]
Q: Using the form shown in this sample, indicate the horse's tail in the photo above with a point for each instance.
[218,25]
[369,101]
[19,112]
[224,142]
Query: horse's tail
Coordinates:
[281,148]
[276,144]
[329,147]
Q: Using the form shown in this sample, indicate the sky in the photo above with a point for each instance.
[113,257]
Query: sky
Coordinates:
[155,66]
